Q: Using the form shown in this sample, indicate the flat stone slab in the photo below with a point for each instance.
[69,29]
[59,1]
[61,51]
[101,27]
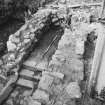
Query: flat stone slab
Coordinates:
[41,95]
[28,73]
[46,82]
[35,64]
[25,83]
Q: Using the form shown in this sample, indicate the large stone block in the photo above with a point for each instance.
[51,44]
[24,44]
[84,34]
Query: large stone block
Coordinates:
[46,82]
[41,95]
[73,90]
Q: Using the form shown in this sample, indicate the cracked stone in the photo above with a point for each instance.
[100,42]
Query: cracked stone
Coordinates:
[11,46]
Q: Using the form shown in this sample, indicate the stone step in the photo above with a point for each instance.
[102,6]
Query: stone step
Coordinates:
[31,68]
[29,75]
[26,83]
[35,64]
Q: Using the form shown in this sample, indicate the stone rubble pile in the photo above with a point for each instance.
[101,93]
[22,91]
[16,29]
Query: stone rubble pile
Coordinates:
[59,84]
[21,42]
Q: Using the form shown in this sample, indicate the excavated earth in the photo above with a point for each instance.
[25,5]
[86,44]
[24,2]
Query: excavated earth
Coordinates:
[55,74]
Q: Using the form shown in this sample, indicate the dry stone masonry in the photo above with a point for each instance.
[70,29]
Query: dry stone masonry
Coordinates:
[60,82]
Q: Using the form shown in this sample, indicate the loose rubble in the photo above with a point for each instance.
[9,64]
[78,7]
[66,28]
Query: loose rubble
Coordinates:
[59,83]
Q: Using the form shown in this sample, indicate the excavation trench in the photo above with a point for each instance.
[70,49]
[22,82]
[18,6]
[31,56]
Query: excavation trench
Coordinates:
[39,58]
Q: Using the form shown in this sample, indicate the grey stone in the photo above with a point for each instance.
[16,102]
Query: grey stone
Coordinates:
[11,56]
[26,41]
[54,74]
[11,46]
[79,47]
[25,83]
[46,82]
[14,39]
[73,90]
[41,95]
[1,62]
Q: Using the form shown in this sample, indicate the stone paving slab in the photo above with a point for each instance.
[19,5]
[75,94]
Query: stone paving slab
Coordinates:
[25,83]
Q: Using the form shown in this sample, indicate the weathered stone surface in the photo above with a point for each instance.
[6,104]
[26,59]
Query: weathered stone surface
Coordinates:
[73,90]
[28,73]
[1,62]
[79,47]
[45,82]
[14,39]
[65,59]
[54,74]
[25,83]
[34,102]
[11,57]
[11,46]
[41,95]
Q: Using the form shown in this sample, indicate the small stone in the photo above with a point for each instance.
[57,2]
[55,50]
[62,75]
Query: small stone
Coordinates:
[9,102]
[79,47]
[46,82]
[10,65]
[26,36]
[32,36]
[14,39]
[14,94]
[73,90]
[11,46]
[26,41]
[11,56]
[34,102]
[41,95]
[17,34]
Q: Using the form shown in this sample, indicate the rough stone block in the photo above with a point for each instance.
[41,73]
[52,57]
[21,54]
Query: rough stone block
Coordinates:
[11,46]
[79,47]
[54,74]
[46,82]
[41,95]
[73,90]
[25,83]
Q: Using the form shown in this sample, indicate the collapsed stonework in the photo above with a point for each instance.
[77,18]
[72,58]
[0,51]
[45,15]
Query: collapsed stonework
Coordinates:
[60,83]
